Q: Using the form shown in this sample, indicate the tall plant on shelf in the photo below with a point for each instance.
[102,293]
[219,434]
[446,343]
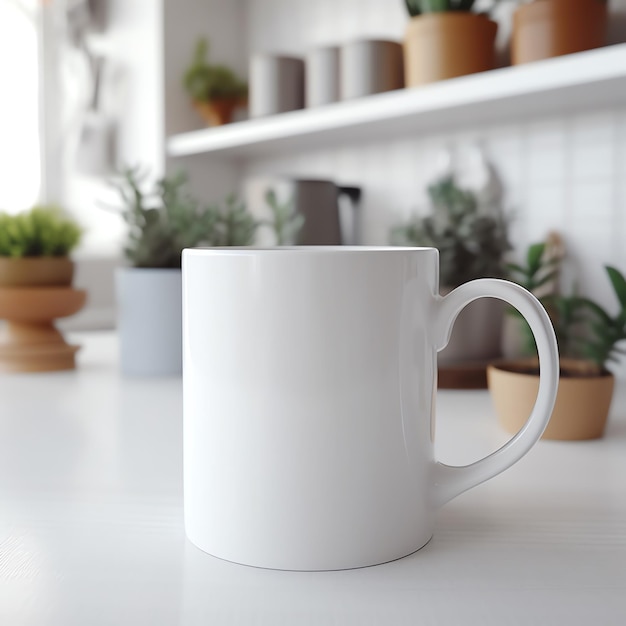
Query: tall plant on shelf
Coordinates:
[215,90]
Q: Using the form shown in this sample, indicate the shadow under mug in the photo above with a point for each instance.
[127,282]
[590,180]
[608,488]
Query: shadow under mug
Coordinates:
[309,379]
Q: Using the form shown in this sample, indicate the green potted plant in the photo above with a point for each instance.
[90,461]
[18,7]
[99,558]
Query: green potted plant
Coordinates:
[549,28]
[445,39]
[215,90]
[472,241]
[35,247]
[588,338]
[162,221]
[35,288]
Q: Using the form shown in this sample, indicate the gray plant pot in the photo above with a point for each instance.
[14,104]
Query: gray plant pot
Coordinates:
[322,76]
[149,321]
[370,66]
[276,84]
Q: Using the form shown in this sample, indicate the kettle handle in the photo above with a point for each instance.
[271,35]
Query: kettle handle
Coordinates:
[353,193]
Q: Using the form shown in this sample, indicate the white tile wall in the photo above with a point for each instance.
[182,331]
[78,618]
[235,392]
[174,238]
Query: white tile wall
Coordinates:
[563,173]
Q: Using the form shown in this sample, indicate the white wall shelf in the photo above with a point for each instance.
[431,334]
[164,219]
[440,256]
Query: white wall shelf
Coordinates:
[587,80]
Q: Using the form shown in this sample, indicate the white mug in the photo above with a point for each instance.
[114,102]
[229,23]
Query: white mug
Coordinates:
[309,377]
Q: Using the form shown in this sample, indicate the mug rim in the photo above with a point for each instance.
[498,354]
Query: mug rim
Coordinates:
[235,250]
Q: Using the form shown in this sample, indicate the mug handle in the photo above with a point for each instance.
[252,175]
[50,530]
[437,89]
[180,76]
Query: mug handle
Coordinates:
[451,481]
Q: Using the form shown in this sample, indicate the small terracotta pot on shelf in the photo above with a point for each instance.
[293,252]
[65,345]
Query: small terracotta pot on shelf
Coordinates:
[548,28]
[218,112]
[582,404]
[34,291]
[439,46]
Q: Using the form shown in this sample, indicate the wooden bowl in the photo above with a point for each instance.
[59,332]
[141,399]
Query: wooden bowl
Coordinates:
[40,304]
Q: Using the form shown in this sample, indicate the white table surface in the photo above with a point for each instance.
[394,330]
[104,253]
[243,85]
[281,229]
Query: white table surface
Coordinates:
[91,528]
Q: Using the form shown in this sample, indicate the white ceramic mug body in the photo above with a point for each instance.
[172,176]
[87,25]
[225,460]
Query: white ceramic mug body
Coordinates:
[309,377]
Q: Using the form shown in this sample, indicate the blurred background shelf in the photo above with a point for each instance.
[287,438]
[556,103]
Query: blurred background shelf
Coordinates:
[578,82]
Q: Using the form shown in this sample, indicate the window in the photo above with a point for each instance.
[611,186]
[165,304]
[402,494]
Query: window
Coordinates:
[20,169]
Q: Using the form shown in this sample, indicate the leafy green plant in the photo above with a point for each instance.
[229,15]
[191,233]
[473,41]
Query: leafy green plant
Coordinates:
[165,220]
[234,225]
[286,222]
[471,241]
[584,329]
[205,82]
[417,7]
[42,231]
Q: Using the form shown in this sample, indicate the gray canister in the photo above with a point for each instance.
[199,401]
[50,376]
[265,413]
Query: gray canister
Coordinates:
[276,84]
[322,76]
[370,66]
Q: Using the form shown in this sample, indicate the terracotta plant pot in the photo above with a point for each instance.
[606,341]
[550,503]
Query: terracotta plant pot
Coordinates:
[34,291]
[218,112]
[550,28]
[582,403]
[36,271]
[438,46]
[29,341]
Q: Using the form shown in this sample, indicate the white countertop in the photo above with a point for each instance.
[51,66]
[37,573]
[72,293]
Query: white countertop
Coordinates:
[91,528]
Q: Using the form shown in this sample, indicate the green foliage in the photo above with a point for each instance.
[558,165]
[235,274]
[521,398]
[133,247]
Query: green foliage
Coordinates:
[234,225]
[417,7]
[606,331]
[538,270]
[205,82]
[286,222]
[583,328]
[42,231]
[471,241]
[164,221]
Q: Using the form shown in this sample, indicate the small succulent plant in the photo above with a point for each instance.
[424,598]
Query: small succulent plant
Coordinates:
[167,219]
[205,82]
[417,7]
[42,231]
[584,329]
[286,222]
[471,240]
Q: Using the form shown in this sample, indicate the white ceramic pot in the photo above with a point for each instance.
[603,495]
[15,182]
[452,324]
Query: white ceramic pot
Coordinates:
[322,76]
[149,321]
